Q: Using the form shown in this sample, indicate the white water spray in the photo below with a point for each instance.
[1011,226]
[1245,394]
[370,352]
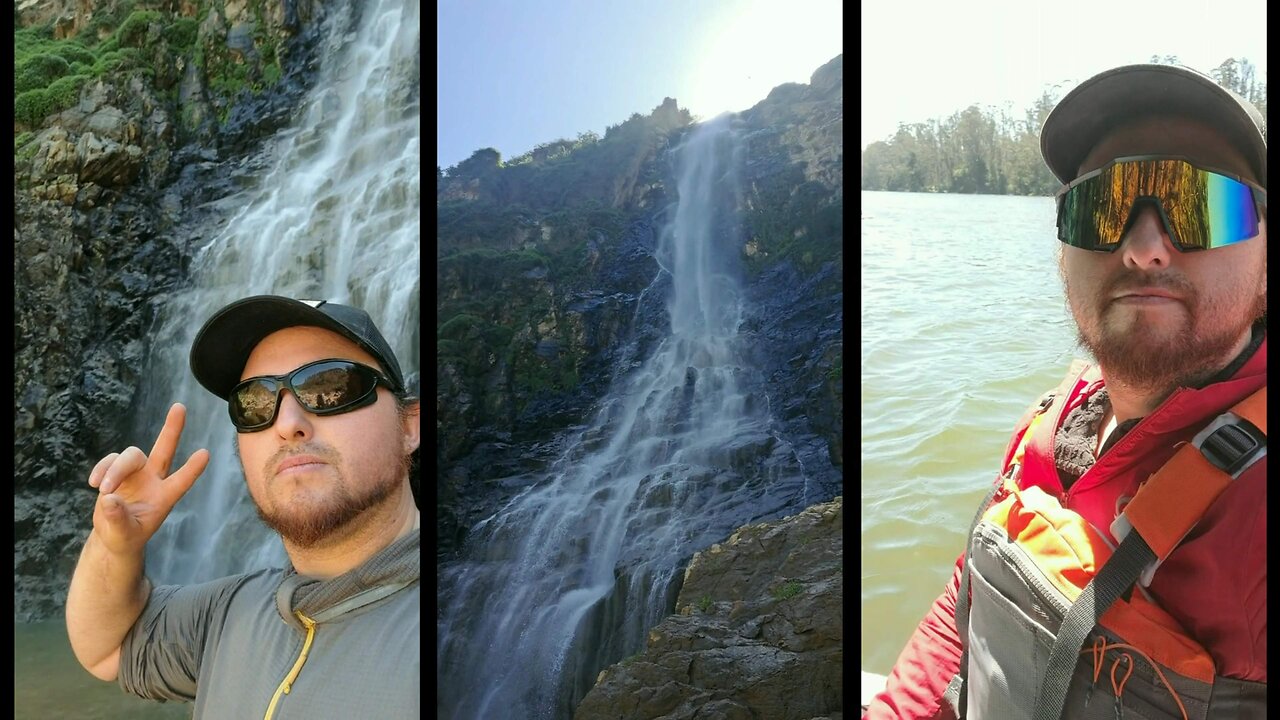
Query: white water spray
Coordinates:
[336,218]
[573,571]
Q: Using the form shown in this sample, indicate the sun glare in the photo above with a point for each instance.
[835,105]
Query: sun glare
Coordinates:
[759,47]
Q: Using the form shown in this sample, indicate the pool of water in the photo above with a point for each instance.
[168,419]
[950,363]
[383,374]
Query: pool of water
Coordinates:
[963,325]
[48,683]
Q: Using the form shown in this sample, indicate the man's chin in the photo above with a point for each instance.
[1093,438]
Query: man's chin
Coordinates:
[1143,339]
[309,516]
[307,528]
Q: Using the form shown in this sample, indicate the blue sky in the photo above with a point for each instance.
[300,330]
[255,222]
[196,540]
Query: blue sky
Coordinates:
[515,74]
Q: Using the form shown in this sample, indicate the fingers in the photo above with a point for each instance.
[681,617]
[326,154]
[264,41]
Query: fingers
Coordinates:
[181,481]
[95,476]
[114,520]
[129,462]
[112,507]
[162,452]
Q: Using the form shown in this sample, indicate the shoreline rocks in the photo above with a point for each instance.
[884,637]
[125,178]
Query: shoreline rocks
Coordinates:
[758,633]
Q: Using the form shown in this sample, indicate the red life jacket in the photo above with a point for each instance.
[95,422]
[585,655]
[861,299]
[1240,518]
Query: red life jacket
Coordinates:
[1058,622]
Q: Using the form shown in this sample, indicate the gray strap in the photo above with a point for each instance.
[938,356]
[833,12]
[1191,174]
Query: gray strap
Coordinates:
[958,694]
[1113,580]
[962,597]
[361,599]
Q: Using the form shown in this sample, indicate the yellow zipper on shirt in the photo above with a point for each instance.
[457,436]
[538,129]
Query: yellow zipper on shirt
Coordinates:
[289,679]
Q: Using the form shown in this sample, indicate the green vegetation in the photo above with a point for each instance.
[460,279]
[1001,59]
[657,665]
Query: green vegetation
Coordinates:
[797,220]
[23,147]
[787,590]
[119,40]
[271,74]
[514,238]
[565,173]
[458,327]
[134,31]
[49,74]
[230,79]
[106,20]
[984,151]
[497,299]
[704,603]
[38,71]
[181,35]
[834,374]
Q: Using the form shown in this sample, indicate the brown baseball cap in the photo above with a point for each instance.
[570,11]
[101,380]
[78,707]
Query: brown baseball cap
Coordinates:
[1081,118]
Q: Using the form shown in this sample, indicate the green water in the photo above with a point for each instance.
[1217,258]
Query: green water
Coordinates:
[963,326]
[49,683]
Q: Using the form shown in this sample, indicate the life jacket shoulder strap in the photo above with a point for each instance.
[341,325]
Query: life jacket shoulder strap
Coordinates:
[1163,511]
[1173,500]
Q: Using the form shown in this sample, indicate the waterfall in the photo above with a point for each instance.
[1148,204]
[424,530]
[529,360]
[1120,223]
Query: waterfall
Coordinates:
[569,576]
[335,216]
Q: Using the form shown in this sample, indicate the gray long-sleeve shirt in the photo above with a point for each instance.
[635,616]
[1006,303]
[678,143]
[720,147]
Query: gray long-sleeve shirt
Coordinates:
[229,645]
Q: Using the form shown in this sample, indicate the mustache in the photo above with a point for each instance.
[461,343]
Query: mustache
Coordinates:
[325,454]
[1133,281]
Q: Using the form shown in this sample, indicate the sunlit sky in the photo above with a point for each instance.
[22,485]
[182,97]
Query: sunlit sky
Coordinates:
[930,58]
[516,73]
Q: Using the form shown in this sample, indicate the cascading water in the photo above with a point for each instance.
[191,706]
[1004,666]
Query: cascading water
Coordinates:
[336,218]
[569,576]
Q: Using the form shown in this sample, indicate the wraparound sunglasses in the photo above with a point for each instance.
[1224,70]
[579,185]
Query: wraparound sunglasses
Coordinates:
[1201,208]
[323,387]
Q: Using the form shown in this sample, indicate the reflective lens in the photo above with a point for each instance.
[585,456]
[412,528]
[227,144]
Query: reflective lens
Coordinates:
[1200,208]
[324,387]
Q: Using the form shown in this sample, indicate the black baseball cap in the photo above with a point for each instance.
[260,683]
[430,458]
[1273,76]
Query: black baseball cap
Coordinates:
[1080,119]
[223,345]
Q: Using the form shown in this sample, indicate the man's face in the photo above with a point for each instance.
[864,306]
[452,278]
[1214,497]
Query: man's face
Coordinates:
[1160,343]
[363,454]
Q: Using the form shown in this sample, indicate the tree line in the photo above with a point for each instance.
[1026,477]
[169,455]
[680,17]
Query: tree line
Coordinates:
[993,151]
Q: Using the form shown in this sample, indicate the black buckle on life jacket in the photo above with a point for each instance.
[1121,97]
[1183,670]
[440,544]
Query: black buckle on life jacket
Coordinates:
[1233,446]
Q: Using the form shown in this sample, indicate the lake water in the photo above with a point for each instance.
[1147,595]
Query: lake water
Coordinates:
[964,325]
[49,683]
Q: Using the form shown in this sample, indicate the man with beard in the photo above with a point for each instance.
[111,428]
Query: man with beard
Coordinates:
[325,433]
[1119,561]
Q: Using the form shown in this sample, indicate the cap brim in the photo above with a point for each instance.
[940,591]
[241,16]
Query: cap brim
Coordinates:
[223,345]
[1081,118]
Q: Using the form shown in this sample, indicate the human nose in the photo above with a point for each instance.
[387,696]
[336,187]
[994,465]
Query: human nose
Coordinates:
[1147,244]
[292,421]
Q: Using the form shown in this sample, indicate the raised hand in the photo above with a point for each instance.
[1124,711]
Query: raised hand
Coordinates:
[136,491]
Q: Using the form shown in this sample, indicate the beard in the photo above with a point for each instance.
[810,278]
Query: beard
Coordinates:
[1157,351]
[320,517]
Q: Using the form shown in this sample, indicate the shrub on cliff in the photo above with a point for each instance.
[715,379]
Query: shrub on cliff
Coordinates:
[32,106]
[482,162]
[37,71]
[133,31]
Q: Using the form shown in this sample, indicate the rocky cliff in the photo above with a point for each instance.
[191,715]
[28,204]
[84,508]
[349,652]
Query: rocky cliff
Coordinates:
[131,120]
[758,633]
[545,287]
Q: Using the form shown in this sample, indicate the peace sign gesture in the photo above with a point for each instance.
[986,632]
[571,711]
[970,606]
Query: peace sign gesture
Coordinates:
[136,492]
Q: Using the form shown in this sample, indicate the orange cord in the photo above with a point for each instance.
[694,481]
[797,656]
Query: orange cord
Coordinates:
[1119,688]
[1099,650]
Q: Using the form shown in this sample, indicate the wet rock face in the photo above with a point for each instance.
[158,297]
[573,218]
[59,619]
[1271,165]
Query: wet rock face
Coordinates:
[88,280]
[605,318]
[758,632]
[795,334]
[110,198]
